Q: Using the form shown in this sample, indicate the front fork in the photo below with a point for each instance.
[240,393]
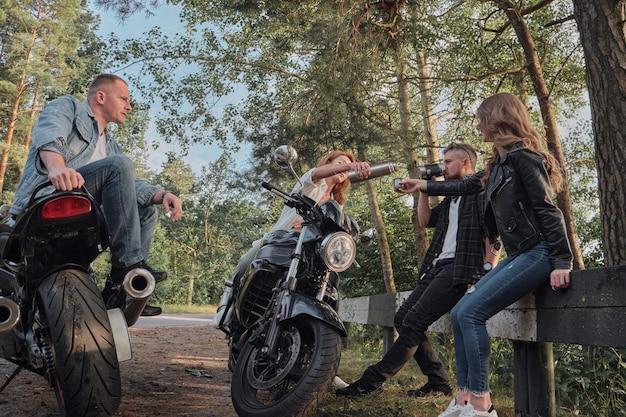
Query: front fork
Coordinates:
[273,332]
[281,309]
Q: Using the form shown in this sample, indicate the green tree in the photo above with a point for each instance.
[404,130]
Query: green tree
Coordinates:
[39,45]
[343,75]
[202,248]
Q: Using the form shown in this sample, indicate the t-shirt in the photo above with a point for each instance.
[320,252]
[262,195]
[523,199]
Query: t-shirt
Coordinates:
[100,151]
[315,191]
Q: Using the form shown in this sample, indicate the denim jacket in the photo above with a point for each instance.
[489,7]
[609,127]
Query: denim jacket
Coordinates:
[67,126]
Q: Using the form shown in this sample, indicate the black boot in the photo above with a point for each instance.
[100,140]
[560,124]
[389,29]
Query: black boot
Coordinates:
[113,295]
[429,388]
[358,388]
[149,311]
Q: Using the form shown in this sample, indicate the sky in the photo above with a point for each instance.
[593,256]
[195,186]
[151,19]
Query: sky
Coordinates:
[167,18]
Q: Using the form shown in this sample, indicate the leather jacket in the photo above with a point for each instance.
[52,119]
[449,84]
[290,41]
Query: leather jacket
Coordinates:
[518,204]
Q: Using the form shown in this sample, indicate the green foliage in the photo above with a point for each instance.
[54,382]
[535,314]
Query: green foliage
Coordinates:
[43,48]
[218,226]
[501,364]
[367,279]
[590,381]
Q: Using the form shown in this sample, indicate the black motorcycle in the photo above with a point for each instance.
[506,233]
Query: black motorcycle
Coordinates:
[53,319]
[280,318]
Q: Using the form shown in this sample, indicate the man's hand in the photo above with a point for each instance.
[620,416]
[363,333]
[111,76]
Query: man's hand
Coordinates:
[65,179]
[172,205]
[411,186]
[61,177]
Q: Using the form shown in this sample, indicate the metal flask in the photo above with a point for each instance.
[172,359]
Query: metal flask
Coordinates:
[378,170]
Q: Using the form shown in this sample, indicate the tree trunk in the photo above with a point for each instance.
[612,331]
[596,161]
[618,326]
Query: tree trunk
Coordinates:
[8,137]
[383,243]
[430,124]
[32,116]
[602,34]
[553,139]
[412,160]
[192,279]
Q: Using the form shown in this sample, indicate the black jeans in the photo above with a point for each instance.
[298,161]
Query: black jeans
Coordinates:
[432,298]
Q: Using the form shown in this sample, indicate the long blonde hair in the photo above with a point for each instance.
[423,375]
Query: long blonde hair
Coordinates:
[339,189]
[505,118]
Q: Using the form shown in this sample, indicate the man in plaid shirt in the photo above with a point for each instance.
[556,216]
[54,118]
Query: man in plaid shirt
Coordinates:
[459,251]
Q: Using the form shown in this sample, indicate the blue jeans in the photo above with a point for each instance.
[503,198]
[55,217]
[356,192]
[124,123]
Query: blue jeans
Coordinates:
[509,281]
[111,181]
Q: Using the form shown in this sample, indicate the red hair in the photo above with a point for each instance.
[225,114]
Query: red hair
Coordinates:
[339,189]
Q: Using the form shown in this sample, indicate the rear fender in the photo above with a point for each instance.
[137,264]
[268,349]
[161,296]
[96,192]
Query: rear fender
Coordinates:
[294,305]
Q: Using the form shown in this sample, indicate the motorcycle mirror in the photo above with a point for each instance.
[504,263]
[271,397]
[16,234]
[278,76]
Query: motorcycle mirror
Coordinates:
[367,237]
[285,156]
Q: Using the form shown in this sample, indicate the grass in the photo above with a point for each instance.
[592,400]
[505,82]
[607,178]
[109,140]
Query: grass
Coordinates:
[185,309]
[392,401]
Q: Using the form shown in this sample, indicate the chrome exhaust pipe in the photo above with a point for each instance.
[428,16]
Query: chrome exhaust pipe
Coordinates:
[138,285]
[9,315]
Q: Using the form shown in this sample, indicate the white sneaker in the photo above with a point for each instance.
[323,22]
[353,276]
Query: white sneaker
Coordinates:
[339,383]
[453,410]
[469,411]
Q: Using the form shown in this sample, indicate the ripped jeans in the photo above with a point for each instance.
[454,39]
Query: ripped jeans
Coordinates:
[510,280]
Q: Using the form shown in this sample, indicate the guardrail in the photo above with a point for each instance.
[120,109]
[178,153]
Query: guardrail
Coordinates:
[592,311]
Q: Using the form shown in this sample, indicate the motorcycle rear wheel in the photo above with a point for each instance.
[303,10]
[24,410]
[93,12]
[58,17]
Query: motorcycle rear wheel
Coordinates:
[81,360]
[292,385]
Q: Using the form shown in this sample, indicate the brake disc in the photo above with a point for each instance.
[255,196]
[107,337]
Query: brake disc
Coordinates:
[264,372]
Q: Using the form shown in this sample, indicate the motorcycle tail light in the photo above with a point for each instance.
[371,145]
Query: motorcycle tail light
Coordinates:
[65,207]
[338,250]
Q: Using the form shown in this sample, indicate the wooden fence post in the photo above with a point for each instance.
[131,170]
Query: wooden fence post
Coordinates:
[534,379]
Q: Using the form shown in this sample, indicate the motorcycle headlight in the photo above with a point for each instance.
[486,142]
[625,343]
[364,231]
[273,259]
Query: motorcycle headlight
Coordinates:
[338,251]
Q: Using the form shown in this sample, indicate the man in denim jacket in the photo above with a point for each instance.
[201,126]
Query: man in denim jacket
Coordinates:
[72,147]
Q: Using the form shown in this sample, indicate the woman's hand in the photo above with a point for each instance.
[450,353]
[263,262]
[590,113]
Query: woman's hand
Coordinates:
[362,170]
[560,278]
[297,224]
[411,186]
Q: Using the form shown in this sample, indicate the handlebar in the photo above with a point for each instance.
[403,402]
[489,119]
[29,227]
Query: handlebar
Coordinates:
[298,201]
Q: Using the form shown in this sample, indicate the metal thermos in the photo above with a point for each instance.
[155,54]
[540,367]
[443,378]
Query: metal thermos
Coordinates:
[378,170]
[429,171]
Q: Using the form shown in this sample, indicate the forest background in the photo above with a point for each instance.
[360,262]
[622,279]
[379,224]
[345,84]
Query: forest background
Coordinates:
[390,80]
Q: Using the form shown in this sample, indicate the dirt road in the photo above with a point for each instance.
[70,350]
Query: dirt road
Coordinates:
[175,371]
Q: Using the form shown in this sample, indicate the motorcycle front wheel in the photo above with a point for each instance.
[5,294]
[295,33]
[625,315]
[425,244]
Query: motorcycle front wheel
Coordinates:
[292,383]
[77,342]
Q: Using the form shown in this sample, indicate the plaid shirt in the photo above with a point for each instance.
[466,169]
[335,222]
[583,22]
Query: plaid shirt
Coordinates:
[470,238]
